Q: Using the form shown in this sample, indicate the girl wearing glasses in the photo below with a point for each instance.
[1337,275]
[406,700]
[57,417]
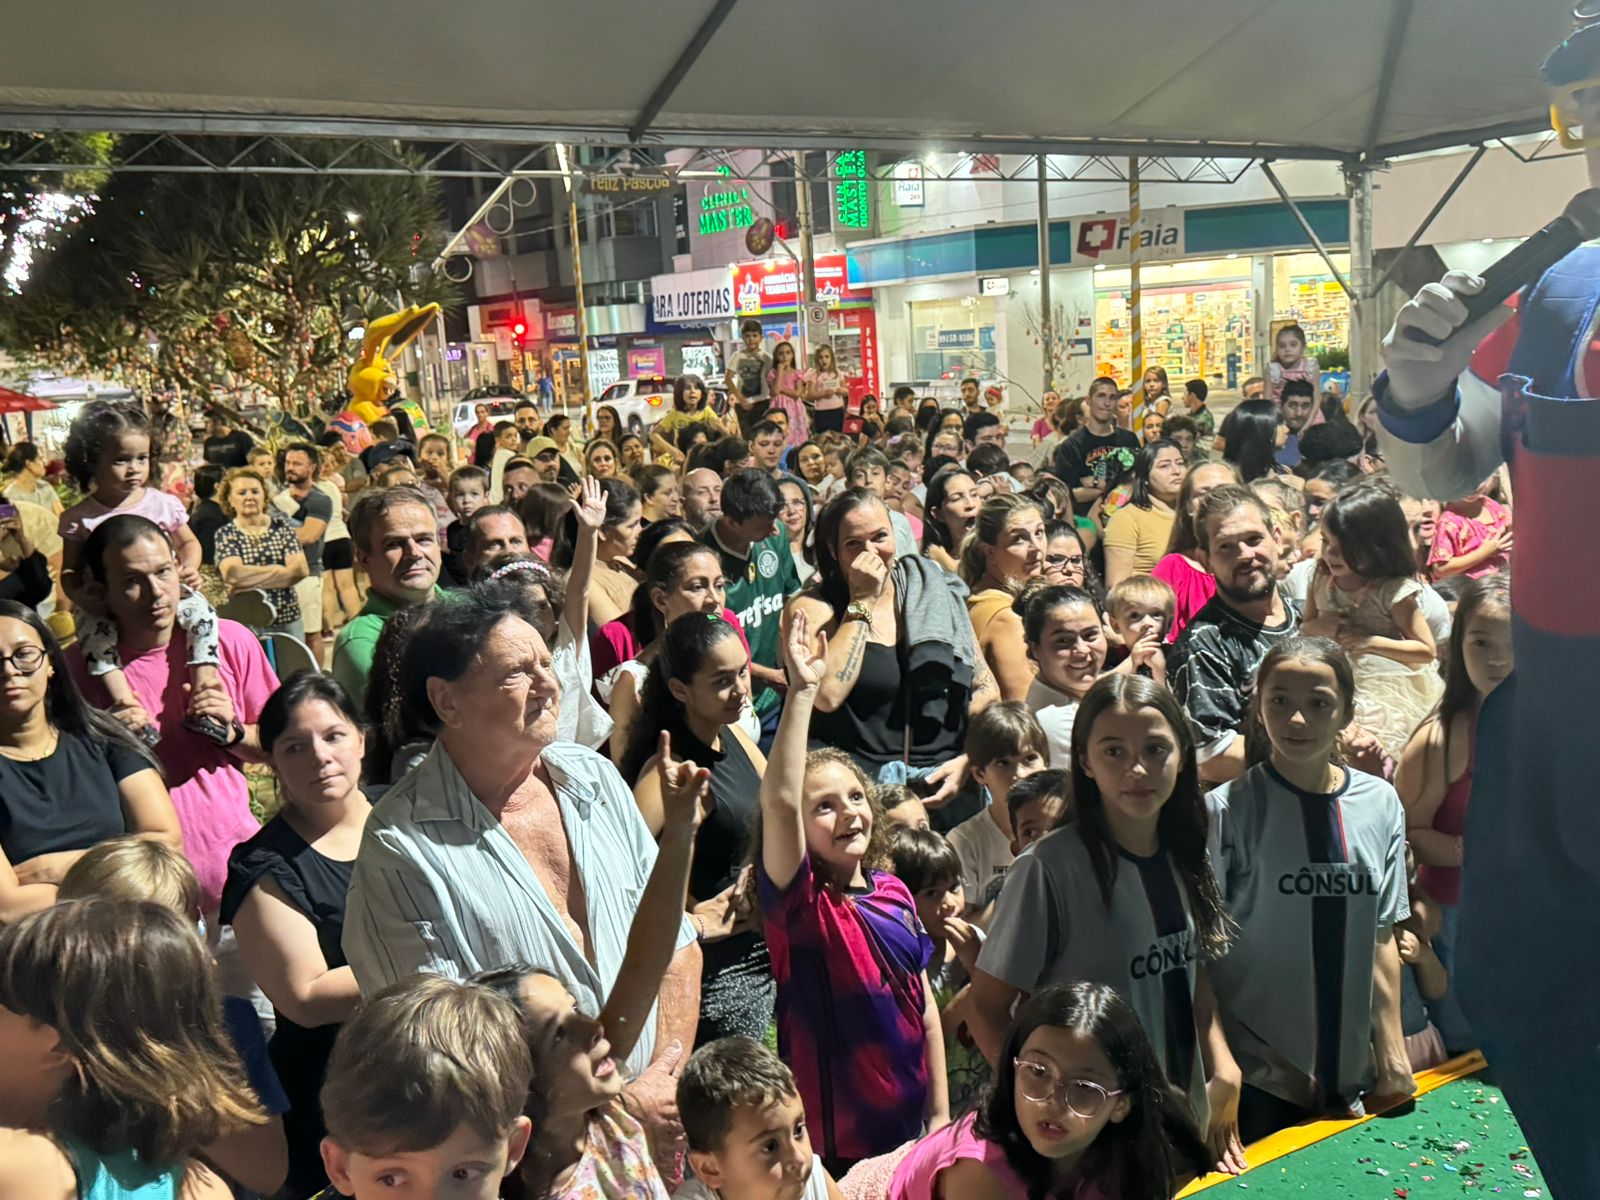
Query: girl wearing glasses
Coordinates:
[1079,1109]
[69,776]
[1122,895]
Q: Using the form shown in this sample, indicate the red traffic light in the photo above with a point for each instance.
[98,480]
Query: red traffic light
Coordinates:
[518,328]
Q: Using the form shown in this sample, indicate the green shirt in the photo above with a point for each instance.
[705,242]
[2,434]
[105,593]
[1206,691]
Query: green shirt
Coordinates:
[758,585]
[354,647]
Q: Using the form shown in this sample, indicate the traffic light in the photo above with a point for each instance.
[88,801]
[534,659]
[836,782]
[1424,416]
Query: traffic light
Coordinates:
[519,330]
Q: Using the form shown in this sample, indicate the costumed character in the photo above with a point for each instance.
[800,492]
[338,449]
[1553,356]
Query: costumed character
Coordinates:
[1520,387]
[373,382]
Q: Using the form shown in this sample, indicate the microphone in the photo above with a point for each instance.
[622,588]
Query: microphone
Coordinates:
[1578,223]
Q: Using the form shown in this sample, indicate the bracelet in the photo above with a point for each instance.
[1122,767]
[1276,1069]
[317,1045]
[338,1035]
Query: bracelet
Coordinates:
[699,927]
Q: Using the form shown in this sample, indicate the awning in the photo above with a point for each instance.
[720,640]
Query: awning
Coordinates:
[1284,78]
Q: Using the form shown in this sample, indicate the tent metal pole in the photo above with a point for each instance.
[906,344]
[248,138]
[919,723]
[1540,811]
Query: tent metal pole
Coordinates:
[810,339]
[1449,192]
[1363,301]
[1135,291]
[674,76]
[1047,329]
[1305,225]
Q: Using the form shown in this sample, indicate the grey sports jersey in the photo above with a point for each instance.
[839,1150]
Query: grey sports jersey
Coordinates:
[1052,926]
[1311,880]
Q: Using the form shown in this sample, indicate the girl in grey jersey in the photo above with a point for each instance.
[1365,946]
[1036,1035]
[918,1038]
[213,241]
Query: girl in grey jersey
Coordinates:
[1311,858]
[1121,894]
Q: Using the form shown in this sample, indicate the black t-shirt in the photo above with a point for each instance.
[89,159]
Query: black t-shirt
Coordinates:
[1212,669]
[204,521]
[1085,453]
[314,506]
[68,801]
[232,449]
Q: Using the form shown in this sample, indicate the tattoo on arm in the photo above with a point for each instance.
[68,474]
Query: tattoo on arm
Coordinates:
[985,681]
[858,648]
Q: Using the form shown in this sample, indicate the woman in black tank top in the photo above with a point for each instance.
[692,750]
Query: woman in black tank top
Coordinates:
[892,694]
[696,689]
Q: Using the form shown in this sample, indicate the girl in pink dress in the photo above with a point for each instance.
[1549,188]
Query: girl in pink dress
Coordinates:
[1079,1110]
[786,385]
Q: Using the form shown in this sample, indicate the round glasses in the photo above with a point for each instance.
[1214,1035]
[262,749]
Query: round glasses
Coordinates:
[25,659]
[1084,1098]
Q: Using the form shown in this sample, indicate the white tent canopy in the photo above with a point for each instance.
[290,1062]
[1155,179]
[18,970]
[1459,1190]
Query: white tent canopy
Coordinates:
[1280,78]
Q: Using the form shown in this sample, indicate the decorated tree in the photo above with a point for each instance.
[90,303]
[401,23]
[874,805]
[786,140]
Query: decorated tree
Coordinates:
[227,285]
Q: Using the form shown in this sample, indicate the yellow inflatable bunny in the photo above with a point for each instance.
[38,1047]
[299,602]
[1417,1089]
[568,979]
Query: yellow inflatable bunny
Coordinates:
[372,380]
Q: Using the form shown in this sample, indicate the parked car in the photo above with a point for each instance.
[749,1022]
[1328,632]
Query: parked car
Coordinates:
[502,402]
[641,402]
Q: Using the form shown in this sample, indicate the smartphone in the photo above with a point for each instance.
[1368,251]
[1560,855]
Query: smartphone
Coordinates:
[8,511]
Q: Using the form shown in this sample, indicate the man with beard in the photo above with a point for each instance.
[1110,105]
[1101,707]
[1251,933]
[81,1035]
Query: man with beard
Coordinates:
[1213,668]
[309,510]
[702,497]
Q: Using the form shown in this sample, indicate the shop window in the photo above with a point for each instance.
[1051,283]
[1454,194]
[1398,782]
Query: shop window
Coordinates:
[952,339]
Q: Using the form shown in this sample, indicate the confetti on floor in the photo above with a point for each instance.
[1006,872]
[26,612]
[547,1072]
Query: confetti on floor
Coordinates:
[1460,1140]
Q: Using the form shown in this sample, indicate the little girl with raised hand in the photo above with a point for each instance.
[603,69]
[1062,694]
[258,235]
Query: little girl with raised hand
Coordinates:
[1079,1110]
[857,1019]
[108,453]
[1365,595]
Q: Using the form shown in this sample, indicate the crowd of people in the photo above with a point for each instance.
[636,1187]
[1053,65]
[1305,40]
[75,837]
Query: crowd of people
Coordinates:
[811,799]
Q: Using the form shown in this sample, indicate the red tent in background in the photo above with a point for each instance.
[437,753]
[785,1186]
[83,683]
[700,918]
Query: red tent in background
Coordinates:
[11,401]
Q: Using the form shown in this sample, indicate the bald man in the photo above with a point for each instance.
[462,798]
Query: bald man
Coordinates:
[702,497]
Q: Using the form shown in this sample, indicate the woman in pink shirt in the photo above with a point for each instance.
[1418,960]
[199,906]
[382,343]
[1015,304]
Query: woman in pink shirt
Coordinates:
[1180,568]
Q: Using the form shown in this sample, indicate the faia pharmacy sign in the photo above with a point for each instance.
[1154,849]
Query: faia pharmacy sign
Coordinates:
[1107,238]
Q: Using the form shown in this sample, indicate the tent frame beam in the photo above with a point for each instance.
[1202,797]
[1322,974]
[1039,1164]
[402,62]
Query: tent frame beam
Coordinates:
[1305,226]
[675,74]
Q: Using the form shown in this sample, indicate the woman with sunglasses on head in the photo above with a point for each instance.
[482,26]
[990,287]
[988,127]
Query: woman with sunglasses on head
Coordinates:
[70,776]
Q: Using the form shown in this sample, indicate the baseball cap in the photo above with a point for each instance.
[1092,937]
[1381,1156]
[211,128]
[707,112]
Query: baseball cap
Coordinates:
[540,445]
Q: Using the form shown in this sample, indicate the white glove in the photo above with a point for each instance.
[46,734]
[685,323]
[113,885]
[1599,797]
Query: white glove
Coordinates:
[1420,374]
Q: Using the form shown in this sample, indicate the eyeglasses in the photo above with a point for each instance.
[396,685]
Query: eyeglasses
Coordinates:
[1064,560]
[26,659]
[1084,1098]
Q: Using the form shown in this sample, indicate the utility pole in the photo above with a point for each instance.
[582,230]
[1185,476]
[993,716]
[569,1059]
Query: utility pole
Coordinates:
[1135,298]
[808,257]
[1047,325]
[577,278]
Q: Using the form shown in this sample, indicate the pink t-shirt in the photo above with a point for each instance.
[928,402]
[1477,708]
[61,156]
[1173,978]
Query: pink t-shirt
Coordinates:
[79,521]
[1192,586]
[917,1176]
[1458,534]
[208,787]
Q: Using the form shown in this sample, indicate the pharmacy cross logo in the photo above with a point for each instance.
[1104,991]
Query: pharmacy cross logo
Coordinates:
[1096,236]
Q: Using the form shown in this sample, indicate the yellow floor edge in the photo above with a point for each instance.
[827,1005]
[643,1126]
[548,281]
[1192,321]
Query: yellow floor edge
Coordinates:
[1298,1137]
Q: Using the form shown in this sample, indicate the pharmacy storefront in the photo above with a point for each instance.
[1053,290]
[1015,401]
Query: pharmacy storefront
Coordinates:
[1215,283]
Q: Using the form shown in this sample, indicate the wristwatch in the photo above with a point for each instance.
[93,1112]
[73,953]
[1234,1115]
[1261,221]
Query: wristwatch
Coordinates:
[859,610]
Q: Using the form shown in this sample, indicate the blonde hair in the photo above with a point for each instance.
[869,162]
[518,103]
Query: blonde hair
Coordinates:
[225,498]
[134,868]
[420,1059]
[986,532]
[1143,590]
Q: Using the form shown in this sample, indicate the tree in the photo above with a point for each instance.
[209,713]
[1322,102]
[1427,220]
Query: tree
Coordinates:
[219,285]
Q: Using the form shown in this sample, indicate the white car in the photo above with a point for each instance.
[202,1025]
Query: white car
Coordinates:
[640,402]
[465,414]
